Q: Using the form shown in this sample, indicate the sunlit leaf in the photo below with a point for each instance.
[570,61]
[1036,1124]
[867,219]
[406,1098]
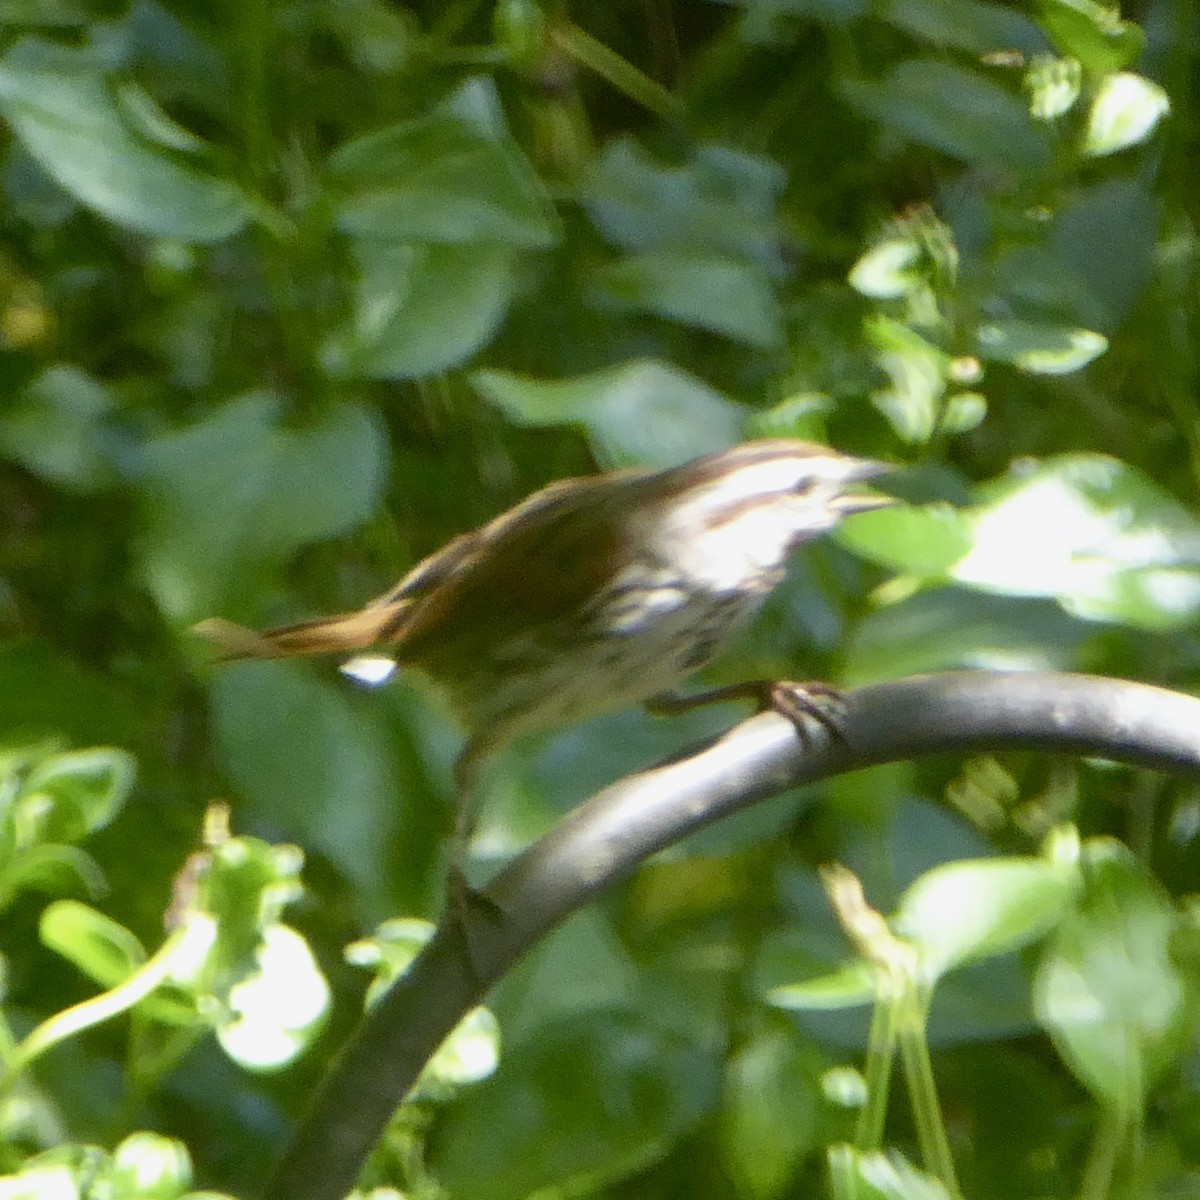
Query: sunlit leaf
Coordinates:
[276,1011]
[1125,111]
[1108,990]
[1040,349]
[147,1166]
[1092,533]
[968,910]
[1092,32]
[100,947]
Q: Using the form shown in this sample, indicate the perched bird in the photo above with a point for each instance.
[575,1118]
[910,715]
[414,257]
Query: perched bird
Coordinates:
[592,594]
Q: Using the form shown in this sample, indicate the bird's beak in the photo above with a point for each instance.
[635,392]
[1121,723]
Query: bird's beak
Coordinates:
[859,469]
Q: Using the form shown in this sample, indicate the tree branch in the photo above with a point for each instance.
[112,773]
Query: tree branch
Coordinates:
[606,837]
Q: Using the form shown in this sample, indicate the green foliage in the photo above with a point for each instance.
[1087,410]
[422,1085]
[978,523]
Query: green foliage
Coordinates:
[292,294]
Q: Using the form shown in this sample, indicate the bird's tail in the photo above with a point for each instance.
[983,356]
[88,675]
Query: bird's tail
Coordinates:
[346,633]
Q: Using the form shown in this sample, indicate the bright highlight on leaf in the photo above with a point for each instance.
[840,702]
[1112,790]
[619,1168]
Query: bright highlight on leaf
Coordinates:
[1126,111]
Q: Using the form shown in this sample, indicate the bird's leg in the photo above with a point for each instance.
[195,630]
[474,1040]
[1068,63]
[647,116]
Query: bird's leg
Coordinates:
[796,700]
[464,902]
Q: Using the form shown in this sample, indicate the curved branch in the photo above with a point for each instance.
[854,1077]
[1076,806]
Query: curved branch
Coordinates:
[607,836]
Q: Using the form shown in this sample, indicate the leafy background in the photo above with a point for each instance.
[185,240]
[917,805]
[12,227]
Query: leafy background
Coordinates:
[291,293]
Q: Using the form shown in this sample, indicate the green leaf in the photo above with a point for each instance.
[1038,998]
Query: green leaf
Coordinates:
[768,1123]
[918,371]
[146,1166]
[1108,990]
[957,111]
[239,491]
[972,910]
[61,108]
[275,1011]
[1092,533]
[56,428]
[1091,32]
[1126,110]
[420,309]
[976,26]
[850,986]
[585,1101]
[471,1052]
[877,1176]
[707,291]
[719,201]
[103,949]
[922,541]
[643,411]
[320,767]
[949,628]
[78,792]
[1040,349]
[889,269]
[439,179]
[1053,85]
[53,869]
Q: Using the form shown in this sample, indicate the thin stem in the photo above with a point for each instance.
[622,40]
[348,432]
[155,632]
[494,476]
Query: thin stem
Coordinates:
[922,1090]
[94,1011]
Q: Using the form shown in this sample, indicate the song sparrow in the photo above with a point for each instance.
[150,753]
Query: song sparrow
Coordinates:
[593,593]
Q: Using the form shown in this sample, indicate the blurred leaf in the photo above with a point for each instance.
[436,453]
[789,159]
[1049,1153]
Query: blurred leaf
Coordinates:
[320,767]
[1107,991]
[59,105]
[587,1101]
[439,179]
[53,869]
[644,412]
[918,541]
[976,26]
[1053,85]
[850,986]
[722,201]
[960,112]
[963,412]
[768,1123]
[103,949]
[146,1166]
[707,291]
[238,491]
[1123,215]
[1126,111]
[472,1051]
[877,1176]
[275,1011]
[1040,349]
[1091,32]
[420,309]
[78,792]
[889,269]
[950,628]
[918,371]
[1094,534]
[980,909]
[56,429]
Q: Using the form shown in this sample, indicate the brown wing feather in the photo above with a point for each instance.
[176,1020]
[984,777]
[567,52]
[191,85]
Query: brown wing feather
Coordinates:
[542,558]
